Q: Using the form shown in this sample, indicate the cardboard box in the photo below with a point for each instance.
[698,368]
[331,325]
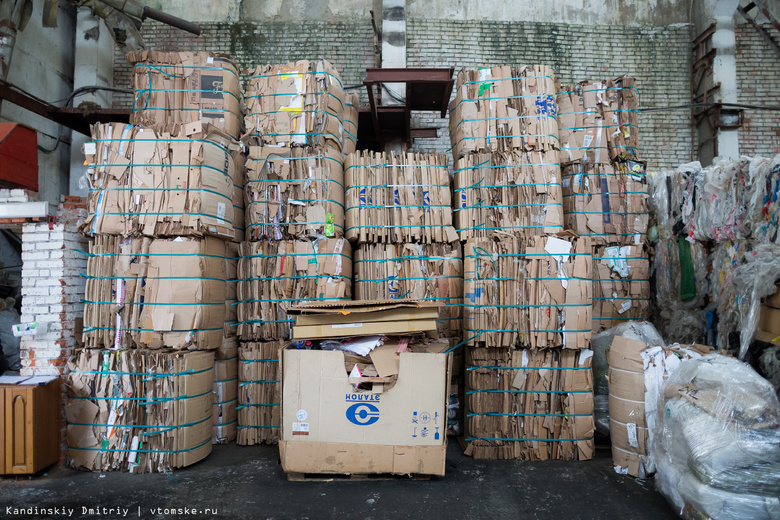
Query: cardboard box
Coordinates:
[513,192]
[606,203]
[392,198]
[259,392]
[773,300]
[621,285]
[769,320]
[182,87]
[275,275]
[425,272]
[297,104]
[351,116]
[329,427]
[174,181]
[294,193]
[598,121]
[167,423]
[143,292]
[363,318]
[501,109]
[529,404]
[636,376]
[30,426]
[535,292]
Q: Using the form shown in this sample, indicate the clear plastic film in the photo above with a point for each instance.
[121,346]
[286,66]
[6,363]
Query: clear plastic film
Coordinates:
[762,198]
[753,281]
[717,442]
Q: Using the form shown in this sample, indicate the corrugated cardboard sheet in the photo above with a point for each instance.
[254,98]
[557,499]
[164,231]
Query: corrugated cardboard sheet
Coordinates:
[155,293]
[351,106]
[621,285]
[223,415]
[294,193]
[393,198]
[515,192]
[276,275]
[529,404]
[139,410]
[606,203]
[259,393]
[535,292]
[599,121]
[501,109]
[176,181]
[425,272]
[183,87]
[297,104]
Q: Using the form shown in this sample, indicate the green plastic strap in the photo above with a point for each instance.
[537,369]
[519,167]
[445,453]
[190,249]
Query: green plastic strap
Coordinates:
[157,375]
[159,66]
[226,380]
[247,361]
[497,414]
[272,300]
[90,329]
[480,332]
[264,321]
[259,405]
[494,391]
[227,402]
[128,450]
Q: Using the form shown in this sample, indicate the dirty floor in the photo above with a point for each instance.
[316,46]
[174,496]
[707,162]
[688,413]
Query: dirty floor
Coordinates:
[237,482]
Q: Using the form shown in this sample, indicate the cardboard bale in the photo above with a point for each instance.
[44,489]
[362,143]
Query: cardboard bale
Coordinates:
[259,392]
[621,285]
[534,292]
[598,121]
[231,292]
[330,426]
[529,404]
[175,181]
[501,109]
[606,203]
[294,193]
[155,293]
[351,107]
[239,180]
[158,405]
[392,198]
[425,272]
[297,104]
[636,376]
[224,415]
[275,275]
[515,192]
[183,87]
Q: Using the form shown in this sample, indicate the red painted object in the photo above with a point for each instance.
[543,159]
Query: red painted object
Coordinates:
[18,157]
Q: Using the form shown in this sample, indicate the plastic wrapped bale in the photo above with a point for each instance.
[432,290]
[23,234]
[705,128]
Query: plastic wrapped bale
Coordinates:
[719,420]
[762,183]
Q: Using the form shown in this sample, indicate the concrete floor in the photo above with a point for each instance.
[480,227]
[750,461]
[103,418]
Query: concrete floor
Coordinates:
[248,482]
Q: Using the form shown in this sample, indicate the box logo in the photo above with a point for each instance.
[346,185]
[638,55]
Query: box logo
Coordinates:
[363,414]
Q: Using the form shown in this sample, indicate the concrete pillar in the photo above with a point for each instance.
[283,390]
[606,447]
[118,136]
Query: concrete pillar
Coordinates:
[94,66]
[725,71]
[394,56]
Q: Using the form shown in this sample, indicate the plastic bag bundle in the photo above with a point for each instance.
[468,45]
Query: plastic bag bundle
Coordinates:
[762,199]
[751,285]
[720,422]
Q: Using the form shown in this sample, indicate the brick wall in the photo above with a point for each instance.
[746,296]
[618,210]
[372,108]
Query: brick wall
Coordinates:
[348,45]
[758,83]
[52,292]
[657,56]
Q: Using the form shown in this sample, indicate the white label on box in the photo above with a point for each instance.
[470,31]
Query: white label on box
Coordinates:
[632,440]
[210,59]
[623,308]
[90,148]
[301,415]
[221,210]
[587,139]
[346,325]
[300,428]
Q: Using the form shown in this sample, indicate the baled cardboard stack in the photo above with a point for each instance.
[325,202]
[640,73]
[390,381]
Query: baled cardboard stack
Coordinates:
[351,107]
[185,87]
[297,104]
[166,199]
[393,198]
[425,272]
[259,392]
[517,192]
[140,411]
[527,282]
[294,193]
[223,413]
[605,190]
[294,213]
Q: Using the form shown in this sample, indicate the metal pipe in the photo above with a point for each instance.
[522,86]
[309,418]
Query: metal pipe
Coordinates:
[167,19]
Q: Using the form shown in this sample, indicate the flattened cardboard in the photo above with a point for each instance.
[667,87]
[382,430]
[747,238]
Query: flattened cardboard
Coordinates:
[769,320]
